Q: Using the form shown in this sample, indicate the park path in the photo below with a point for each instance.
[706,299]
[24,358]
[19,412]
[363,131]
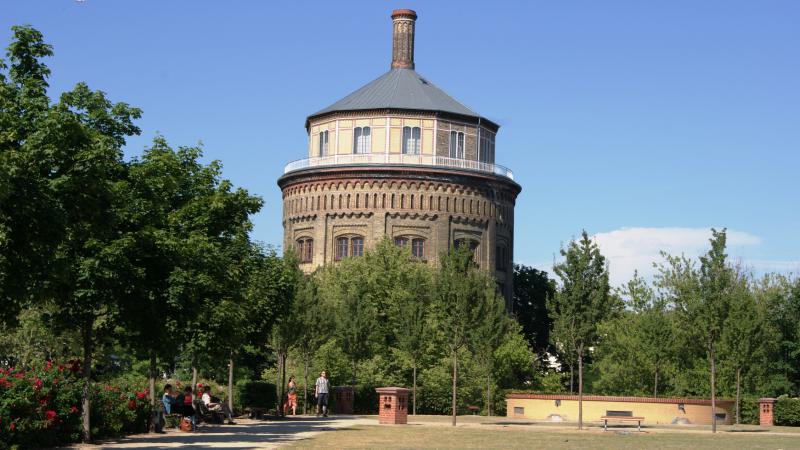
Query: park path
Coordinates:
[245,435]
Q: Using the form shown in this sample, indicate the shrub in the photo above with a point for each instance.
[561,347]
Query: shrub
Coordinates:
[257,394]
[787,411]
[748,411]
[41,407]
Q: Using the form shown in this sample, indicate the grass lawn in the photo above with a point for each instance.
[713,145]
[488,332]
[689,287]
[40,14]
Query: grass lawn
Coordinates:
[517,436]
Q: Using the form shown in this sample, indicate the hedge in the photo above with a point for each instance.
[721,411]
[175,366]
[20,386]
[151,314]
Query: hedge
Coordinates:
[41,407]
[787,411]
[257,394]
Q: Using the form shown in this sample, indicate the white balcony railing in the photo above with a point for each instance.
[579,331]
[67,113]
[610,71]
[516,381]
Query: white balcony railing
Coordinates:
[393,159]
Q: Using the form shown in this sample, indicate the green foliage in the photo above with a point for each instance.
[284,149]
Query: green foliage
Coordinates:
[787,411]
[532,290]
[258,394]
[41,407]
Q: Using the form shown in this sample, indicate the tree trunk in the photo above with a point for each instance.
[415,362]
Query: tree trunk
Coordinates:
[194,377]
[571,379]
[738,384]
[305,386]
[353,380]
[580,392]
[279,384]
[86,425]
[713,390]
[455,385]
[151,378]
[489,395]
[230,382]
[414,389]
[655,385]
[283,376]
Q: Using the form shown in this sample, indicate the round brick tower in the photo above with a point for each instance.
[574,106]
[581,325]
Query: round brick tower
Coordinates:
[400,157]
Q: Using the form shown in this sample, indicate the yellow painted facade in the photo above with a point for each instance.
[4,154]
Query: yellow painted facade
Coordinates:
[666,411]
[340,133]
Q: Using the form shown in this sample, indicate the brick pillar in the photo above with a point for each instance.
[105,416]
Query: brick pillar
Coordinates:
[392,405]
[766,407]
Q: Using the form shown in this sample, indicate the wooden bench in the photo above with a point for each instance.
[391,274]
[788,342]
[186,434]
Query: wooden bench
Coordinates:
[473,409]
[638,421]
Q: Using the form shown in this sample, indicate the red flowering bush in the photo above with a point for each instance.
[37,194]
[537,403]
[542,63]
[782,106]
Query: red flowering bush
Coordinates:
[41,406]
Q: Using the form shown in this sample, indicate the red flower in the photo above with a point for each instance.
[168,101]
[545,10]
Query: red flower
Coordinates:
[48,365]
[44,400]
[37,384]
[13,426]
[51,415]
[141,395]
[55,380]
[132,404]
[19,375]
[61,367]
[74,409]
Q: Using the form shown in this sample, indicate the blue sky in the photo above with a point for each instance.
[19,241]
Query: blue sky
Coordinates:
[644,123]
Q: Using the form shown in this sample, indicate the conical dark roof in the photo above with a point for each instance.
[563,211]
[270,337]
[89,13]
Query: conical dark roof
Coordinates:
[400,89]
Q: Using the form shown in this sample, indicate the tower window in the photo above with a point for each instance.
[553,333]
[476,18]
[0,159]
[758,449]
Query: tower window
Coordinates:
[457,144]
[323,143]
[349,246]
[501,258]
[411,139]
[418,248]
[362,140]
[487,147]
[357,246]
[417,245]
[472,244]
[305,250]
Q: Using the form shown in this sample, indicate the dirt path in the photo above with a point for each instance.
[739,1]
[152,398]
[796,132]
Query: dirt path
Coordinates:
[247,434]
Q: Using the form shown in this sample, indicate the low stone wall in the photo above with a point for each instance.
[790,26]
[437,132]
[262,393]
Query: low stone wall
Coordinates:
[564,408]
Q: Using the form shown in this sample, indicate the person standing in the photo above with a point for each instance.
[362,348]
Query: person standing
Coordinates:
[321,391]
[291,398]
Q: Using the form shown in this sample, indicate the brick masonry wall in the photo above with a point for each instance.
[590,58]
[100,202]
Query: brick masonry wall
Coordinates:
[438,206]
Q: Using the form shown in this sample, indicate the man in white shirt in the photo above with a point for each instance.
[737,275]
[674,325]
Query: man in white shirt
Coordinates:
[218,407]
[321,391]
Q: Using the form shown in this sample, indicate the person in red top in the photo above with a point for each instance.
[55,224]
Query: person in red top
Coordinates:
[186,408]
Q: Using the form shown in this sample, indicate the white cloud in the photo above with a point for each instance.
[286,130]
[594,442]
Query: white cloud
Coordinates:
[637,248]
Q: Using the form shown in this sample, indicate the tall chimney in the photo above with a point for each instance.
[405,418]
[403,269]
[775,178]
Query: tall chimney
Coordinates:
[403,38]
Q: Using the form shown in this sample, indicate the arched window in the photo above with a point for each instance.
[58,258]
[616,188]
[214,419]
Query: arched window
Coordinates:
[305,249]
[342,245]
[417,245]
[356,246]
[323,143]
[501,258]
[362,140]
[411,140]
[456,144]
[472,244]
[418,248]
[347,246]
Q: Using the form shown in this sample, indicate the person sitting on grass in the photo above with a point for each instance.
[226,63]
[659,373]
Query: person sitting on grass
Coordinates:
[213,404]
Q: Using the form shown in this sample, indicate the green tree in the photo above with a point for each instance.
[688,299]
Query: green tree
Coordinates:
[406,285]
[29,230]
[702,299]
[581,302]
[458,305]
[312,327]
[742,335]
[532,289]
[488,335]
